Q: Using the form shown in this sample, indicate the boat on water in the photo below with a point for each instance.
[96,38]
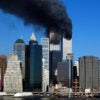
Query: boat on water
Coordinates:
[23,94]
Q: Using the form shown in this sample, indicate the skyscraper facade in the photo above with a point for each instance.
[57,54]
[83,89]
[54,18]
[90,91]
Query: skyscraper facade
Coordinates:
[45,63]
[54,44]
[66,47]
[63,73]
[35,60]
[70,66]
[3,66]
[13,75]
[55,57]
[77,67]
[19,49]
[89,73]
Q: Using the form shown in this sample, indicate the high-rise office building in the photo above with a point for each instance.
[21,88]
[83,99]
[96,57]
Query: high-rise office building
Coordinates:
[27,68]
[53,45]
[66,47]
[63,73]
[19,49]
[77,67]
[3,66]
[55,57]
[75,82]
[70,68]
[89,73]
[35,64]
[45,63]
[13,75]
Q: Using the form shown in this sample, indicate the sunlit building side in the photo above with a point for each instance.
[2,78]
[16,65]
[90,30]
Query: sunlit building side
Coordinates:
[13,75]
[45,63]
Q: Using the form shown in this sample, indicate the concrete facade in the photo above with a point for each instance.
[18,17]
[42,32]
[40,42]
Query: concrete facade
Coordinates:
[3,66]
[89,73]
[13,75]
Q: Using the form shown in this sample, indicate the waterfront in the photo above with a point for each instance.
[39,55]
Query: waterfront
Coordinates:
[38,98]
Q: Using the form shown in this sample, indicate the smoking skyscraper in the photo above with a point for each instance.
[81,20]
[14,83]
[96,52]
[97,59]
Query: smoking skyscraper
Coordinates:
[49,14]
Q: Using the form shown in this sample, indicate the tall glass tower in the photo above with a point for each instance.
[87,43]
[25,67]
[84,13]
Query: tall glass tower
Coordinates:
[35,58]
[19,49]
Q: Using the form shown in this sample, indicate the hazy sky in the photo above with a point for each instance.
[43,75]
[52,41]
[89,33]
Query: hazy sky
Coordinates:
[85,16]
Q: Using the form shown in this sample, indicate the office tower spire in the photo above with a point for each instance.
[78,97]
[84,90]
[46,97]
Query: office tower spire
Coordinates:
[33,37]
[33,40]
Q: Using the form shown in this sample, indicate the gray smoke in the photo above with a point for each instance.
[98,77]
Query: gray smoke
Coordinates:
[50,14]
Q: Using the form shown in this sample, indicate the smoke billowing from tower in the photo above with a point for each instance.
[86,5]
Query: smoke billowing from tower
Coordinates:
[50,14]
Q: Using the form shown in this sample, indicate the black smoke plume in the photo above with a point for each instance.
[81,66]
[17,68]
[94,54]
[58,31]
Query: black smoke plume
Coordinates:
[50,14]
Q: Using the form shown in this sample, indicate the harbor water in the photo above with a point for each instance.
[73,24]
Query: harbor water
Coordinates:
[38,98]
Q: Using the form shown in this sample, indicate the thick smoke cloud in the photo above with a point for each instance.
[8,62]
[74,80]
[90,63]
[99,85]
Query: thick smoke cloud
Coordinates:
[50,14]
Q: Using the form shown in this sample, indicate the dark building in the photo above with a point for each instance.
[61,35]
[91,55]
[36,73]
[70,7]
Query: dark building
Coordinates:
[3,66]
[27,68]
[74,72]
[89,73]
[75,86]
[69,59]
[55,57]
[34,65]
[63,73]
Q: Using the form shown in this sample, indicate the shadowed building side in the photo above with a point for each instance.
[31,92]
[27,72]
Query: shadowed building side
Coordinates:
[3,66]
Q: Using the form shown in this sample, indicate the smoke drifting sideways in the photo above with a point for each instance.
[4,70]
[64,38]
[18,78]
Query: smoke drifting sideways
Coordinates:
[49,14]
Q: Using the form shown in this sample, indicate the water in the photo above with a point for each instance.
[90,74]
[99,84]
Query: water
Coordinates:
[37,98]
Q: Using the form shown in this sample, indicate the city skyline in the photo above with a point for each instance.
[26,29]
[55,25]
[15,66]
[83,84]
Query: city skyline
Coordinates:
[85,18]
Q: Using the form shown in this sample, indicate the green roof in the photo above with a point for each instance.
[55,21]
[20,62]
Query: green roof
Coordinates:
[19,41]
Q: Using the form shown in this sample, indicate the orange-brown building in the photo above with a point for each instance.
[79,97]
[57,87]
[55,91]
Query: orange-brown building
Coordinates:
[3,65]
[75,85]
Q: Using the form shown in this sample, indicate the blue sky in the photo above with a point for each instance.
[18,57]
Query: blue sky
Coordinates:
[85,16]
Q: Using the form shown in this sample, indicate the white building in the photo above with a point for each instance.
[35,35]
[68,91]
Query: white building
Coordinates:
[13,75]
[66,47]
[53,36]
[45,65]
[77,66]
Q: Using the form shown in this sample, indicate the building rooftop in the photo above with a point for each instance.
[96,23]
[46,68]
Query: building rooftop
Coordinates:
[19,41]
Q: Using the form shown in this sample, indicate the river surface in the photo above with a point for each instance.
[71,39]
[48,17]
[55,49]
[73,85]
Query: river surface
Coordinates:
[38,98]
